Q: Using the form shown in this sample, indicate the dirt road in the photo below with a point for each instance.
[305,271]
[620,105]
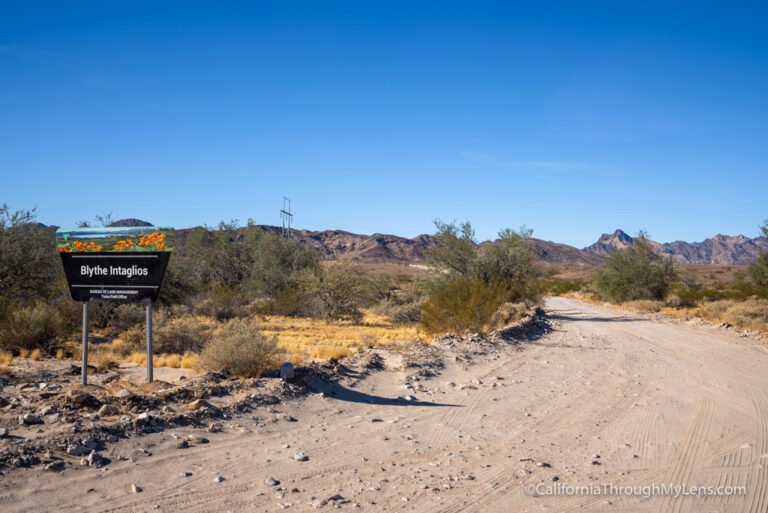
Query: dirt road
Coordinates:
[604,400]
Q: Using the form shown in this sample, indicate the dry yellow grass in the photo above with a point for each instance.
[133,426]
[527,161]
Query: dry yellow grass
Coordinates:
[750,314]
[174,361]
[189,361]
[298,337]
[304,338]
[35,355]
[23,353]
[6,358]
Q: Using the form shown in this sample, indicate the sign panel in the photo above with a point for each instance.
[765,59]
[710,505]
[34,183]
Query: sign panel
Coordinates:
[115,264]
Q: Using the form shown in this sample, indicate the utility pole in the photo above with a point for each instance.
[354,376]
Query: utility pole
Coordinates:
[287,217]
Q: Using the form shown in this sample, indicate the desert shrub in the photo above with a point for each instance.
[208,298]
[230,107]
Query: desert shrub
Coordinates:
[476,280]
[338,291]
[170,335]
[398,300]
[131,340]
[290,300]
[124,316]
[400,311]
[559,287]
[759,268]
[30,269]
[217,257]
[277,265]
[634,273]
[644,305]
[509,313]
[102,359]
[240,349]
[751,314]
[759,271]
[510,262]
[221,303]
[32,327]
[461,305]
[455,249]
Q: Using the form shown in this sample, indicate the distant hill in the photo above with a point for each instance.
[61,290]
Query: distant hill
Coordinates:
[380,248]
[720,249]
[129,222]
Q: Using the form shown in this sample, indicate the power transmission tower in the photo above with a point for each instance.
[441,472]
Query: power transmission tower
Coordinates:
[287,217]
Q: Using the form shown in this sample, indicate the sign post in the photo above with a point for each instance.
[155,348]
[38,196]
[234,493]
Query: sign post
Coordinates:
[149,342]
[122,265]
[84,369]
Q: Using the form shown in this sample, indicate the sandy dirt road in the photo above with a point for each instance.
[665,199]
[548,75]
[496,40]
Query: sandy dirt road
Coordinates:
[604,400]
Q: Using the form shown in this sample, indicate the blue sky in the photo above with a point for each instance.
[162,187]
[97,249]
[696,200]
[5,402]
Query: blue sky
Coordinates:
[573,118]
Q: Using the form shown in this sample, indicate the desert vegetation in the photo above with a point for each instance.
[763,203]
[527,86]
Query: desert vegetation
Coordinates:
[474,281]
[240,291]
[640,280]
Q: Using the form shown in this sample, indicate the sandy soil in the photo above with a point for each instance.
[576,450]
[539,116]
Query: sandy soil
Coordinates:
[605,399]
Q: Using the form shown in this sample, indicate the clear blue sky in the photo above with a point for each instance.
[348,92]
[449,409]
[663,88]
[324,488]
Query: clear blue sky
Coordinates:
[573,118]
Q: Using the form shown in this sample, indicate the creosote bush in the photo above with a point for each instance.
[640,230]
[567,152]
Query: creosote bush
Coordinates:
[475,280]
[39,326]
[633,274]
[222,303]
[170,335]
[461,305]
[240,349]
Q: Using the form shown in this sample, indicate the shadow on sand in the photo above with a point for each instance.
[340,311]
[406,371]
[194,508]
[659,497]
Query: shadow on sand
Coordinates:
[340,393]
[565,317]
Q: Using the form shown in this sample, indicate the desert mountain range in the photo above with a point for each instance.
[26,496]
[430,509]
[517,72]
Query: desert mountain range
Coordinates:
[379,247]
[720,249]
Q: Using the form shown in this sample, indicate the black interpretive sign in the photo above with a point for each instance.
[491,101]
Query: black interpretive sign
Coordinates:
[122,264]
[119,277]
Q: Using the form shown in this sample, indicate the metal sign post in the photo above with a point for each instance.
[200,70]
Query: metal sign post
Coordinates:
[150,363]
[117,265]
[84,369]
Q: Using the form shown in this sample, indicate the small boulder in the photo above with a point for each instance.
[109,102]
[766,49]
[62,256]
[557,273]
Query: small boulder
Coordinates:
[300,456]
[3,432]
[218,479]
[4,402]
[124,394]
[199,404]
[197,439]
[56,466]
[77,450]
[30,419]
[271,481]
[108,410]
[79,397]
[136,488]
[96,460]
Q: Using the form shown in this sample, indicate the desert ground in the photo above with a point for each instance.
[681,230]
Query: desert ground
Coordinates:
[601,398]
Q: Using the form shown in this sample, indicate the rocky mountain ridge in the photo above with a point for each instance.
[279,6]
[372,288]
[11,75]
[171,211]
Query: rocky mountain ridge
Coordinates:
[379,247]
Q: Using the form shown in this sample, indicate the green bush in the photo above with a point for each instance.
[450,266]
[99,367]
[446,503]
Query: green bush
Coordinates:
[30,269]
[240,349]
[475,280]
[461,305]
[634,273]
[277,265]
